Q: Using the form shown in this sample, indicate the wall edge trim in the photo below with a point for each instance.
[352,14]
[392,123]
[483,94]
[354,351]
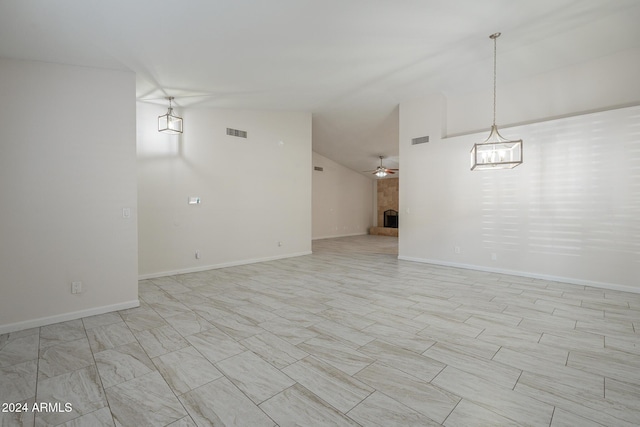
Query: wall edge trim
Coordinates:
[569,280]
[57,318]
[217,266]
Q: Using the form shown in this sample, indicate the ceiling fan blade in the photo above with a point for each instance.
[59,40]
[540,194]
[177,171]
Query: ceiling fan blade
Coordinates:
[392,169]
[389,171]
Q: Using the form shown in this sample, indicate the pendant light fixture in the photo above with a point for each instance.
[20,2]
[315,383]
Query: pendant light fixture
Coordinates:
[496,152]
[169,123]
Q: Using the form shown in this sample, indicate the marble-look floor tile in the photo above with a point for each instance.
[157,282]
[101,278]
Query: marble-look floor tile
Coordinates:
[109,336]
[340,390]
[274,350]
[624,395]
[14,350]
[472,346]
[215,345]
[254,376]
[301,317]
[562,418]
[144,401]
[160,340]
[491,320]
[490,370]
[297,406]
[124,363]
[550,391]
[142,320]
[312,317]
[18,381]
[609,363]
[572,340]
[419,395]
[220,403]
[184,422]
[344,317]
[509,336]
[628,344]
[188,323]
[400,338]
[380,410]
[186,369]
[407,361]
[61,332]
[12,418]
[101,320]
[571,379]
[81,389]
[100,418]
[343,333]
[64,357]
[468,414]
[336,353]
[254,313]
[287,330]
[169,308]
[505,402]
[237,327]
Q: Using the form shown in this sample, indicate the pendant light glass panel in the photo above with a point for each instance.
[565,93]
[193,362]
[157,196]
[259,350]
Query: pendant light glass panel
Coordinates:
[496,152]
[169,123]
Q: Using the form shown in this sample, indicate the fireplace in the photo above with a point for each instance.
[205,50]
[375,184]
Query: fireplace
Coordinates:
[391,218]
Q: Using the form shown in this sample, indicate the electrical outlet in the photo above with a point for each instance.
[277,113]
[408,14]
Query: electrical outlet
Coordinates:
[494,256]
[279,243]
[76,287]
[456,249]
[197,254]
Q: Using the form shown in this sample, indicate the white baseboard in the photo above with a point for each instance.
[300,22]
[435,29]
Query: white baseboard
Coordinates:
[571,280]
[340,235]
[50,320]
[216,266]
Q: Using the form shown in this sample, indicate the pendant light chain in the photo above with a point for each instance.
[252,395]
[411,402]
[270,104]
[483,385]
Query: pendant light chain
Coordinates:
[496,152]
[495,55]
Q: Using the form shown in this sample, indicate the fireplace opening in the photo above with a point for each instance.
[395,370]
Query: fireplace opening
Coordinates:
[391,218]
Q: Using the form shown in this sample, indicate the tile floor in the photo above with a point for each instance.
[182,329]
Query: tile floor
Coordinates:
[346,336]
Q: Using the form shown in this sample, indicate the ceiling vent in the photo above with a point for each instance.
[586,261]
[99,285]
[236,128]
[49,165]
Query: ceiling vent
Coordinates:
[421,140]
[318,168]
[236,132]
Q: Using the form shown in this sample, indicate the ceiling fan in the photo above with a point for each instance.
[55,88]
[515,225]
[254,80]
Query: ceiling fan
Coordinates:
[382,171]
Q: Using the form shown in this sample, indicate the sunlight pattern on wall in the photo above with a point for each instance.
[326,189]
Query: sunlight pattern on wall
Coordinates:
[577,193]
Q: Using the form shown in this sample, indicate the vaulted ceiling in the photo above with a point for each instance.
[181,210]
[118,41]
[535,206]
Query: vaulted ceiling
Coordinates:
[348,62]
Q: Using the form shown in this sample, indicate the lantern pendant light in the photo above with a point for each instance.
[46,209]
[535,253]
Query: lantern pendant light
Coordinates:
[496,152]
[169,123]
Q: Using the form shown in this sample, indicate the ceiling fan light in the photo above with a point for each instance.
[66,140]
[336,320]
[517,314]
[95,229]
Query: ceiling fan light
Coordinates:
[170,123]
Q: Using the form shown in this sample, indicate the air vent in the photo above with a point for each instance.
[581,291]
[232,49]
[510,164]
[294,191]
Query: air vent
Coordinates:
[421,140]
[236,132]
[318,168]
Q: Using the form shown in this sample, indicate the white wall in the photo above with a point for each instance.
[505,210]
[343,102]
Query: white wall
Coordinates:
[342,200]
[604,83]
[67,170]
[255,192]
[570,212]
